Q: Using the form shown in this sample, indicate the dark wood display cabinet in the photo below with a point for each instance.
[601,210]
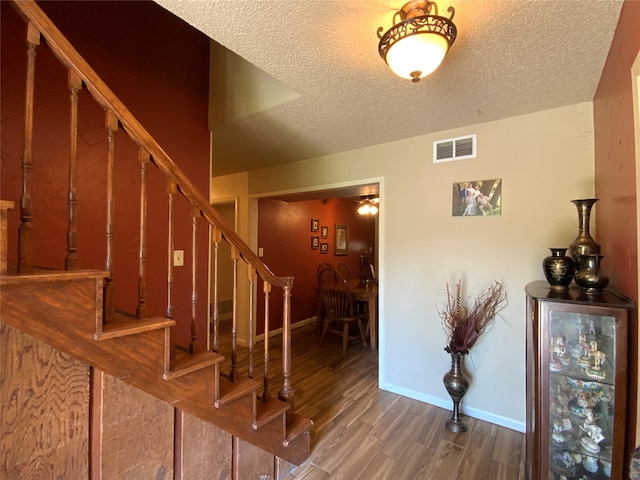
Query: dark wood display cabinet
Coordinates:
[576,383]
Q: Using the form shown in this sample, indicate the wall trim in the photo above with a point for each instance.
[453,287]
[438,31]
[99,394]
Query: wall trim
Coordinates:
[446,404]
[278,331]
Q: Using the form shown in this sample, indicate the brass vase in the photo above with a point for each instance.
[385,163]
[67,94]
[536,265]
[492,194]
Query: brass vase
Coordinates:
[589,275]
[584,244]
[456,383]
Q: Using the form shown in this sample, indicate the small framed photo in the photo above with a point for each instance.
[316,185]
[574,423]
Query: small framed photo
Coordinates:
[477,198]
[325,232]
[342,239]
[315,243]
[315,224]
[324,247]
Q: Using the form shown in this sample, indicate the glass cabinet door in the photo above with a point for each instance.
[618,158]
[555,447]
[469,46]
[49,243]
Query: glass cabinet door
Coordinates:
[579,364]
[576,383]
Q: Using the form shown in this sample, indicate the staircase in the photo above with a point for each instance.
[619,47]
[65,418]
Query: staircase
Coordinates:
[89,391]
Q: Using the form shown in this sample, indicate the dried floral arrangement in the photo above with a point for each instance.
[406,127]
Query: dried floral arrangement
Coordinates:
[464,326]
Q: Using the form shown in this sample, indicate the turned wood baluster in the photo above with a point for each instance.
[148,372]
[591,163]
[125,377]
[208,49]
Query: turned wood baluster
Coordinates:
[233,376]
[252,279]
[71,262]
[195,213]
[25,231]
[111,124]
[286,392]
[267,291]
[171,191]
[141,310]
[216,237]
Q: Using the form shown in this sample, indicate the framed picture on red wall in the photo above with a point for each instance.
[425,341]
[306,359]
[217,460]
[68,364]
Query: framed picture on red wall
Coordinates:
[315,224]
[315,243]
[324,247]
[325,232]
[342,240]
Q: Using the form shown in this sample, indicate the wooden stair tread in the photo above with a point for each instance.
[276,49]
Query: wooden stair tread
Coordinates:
[31,306]
[268,411]
[296,426]
[122,326]
[230,391]
[184,363]
[39,274]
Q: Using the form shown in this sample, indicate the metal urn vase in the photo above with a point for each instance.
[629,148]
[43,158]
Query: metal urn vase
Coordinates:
[584,244]
[558,268]
[456,383]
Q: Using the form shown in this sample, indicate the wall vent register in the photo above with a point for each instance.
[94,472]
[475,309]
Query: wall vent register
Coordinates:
[458,148]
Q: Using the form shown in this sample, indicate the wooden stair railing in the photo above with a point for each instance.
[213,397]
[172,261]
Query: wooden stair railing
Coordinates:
[81,75]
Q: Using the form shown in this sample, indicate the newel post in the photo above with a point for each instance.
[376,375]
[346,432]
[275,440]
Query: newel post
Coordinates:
[286,393]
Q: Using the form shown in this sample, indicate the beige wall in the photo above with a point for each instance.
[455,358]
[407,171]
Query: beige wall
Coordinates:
[544,159]
[233,188]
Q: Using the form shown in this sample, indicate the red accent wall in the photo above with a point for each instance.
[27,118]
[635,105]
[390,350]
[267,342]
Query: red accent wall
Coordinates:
[159,67]
[615,162]
[616,184]
[284,234]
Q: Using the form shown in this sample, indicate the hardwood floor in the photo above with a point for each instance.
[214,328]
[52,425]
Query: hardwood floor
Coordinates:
[362,432]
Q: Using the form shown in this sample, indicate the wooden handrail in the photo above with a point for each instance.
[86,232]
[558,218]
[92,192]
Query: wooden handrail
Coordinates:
[149,151]
[68,55]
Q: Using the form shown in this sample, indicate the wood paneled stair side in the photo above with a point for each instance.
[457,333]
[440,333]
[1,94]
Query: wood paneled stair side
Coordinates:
[63,310]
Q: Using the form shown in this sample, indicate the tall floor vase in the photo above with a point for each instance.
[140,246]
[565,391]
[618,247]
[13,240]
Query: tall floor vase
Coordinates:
[456,383]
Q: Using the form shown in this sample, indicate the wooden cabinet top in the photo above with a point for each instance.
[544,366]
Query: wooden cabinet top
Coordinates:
[541,290]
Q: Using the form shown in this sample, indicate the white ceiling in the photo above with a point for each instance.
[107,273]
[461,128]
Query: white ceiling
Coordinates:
[511,57]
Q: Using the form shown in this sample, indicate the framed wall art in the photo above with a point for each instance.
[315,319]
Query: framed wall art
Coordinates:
[324,247]
[342,240]
[324,232]
[477,198]
[315,224]
[315,243]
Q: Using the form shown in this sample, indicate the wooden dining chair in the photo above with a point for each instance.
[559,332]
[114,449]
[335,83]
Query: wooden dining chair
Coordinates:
[327,275]
[323,267]
[340,314]
[344,270]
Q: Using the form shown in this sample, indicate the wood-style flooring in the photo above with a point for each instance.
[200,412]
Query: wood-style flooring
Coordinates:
[361,432]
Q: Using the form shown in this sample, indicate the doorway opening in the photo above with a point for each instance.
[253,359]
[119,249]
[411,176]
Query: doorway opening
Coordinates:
[298,231]
[229,211]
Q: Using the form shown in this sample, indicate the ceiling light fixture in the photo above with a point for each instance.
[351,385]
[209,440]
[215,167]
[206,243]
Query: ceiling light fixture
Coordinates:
[368,206]
[416,45]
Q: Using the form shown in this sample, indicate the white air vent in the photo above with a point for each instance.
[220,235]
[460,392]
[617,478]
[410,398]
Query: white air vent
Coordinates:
[454,149]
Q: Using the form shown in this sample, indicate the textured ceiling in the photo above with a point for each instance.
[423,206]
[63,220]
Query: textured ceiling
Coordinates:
[511,57]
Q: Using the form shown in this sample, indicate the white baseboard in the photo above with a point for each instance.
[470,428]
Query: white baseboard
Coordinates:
[446,403]
[278,331]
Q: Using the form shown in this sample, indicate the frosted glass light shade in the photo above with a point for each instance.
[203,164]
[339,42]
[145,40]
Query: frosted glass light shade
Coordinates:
[416,45]
[364,209]
[416,56]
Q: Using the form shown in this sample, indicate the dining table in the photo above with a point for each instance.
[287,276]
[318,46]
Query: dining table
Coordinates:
[365,292]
